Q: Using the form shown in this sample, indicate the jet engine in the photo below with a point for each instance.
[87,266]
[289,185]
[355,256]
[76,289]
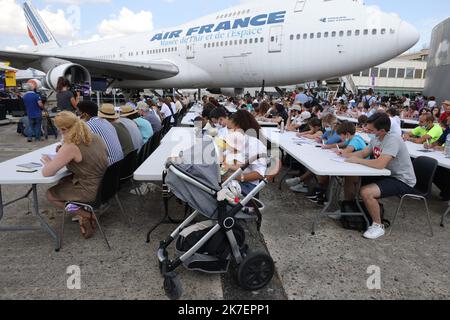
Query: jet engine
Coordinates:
[75,73]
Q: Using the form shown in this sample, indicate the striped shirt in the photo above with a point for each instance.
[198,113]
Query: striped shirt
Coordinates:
[106,130]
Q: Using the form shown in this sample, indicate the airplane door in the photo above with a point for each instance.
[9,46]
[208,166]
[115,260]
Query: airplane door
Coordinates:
[275,39]
[122,53]
[237,67]
[190,50]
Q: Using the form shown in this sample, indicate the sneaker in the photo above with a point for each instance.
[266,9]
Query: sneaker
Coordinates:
[293,182]
[300,188]
[319,199]
[374,232]
[315,194]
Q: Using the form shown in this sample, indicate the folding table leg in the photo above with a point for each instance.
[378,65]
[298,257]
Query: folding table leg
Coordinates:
[44,224]
[333,189]
[443,217]
[1,204]
[166,196]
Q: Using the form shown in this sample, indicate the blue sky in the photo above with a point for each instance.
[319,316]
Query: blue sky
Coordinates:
[99,18]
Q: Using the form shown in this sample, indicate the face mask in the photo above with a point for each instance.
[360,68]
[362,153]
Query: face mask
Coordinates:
[347,141]
[328,129]
[372,136]
[219,127]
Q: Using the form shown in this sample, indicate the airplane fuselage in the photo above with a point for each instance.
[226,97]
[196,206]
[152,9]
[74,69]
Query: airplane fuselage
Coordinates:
[280,43]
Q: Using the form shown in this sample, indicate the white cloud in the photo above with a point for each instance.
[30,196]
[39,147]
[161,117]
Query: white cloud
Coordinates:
[22,47]
[126,23]
[13,20]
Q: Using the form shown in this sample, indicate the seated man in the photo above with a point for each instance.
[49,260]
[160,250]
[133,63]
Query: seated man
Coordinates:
[426,132]
[219,118]
[389,152]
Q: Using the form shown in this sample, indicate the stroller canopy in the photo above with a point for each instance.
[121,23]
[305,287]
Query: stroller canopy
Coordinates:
[202,164]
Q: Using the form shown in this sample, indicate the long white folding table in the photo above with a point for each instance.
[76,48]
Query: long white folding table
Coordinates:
[195,111]
[417,150]
[174,142]
[355,121]
[9,176]
[322,163]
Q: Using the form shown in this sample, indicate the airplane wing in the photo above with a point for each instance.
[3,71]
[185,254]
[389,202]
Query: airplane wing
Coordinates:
[153,70]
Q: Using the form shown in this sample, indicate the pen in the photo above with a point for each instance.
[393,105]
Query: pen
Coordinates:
[339,149]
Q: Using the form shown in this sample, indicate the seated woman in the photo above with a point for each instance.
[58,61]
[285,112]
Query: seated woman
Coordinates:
[262,111]
[86,157]
[252,150]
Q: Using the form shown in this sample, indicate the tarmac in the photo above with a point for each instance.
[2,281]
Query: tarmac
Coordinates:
[333,264]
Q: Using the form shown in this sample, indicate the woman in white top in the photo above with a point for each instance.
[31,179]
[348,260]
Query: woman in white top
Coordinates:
[396,123]
[255,151]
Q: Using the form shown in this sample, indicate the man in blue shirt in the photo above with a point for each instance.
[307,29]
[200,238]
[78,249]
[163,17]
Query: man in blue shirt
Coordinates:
[302,98]
[33,106]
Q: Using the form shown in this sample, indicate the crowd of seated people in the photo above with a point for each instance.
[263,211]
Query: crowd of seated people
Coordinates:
[116,133]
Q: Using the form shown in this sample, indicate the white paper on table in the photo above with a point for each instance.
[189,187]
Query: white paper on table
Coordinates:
[338,159]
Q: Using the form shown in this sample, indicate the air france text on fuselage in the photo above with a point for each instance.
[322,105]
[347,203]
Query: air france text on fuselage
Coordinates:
[256,21]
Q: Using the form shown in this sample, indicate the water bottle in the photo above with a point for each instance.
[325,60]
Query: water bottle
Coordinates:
[447,147]
[282,129]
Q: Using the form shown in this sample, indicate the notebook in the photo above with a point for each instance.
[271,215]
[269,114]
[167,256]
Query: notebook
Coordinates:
[29,167]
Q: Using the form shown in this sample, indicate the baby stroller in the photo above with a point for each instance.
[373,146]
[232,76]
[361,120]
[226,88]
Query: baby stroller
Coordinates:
[210,245]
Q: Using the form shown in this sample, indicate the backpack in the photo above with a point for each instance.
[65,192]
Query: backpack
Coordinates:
[357,222]
[367,102]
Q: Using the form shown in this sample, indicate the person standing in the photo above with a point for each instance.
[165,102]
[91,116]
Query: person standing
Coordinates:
[65,99]
[34,107]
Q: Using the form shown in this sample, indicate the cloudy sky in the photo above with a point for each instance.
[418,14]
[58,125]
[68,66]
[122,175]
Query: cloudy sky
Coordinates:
[75,21]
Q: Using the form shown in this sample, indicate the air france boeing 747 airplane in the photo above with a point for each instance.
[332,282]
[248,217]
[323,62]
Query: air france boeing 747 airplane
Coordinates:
[278,43]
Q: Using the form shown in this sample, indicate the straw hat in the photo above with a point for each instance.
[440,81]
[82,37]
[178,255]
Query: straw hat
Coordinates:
[107,111]
[447,102]
[127,110]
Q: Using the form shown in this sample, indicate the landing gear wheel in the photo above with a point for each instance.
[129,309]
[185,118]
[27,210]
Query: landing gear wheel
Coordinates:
[255,271]
[172,286]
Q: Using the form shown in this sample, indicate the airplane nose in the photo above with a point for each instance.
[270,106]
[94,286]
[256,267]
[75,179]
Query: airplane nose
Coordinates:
[408,36]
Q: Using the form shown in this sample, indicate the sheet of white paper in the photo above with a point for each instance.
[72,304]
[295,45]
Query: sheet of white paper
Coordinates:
[338,159]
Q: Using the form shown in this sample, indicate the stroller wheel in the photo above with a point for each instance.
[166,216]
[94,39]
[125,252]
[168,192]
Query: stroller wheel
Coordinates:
[255,271]
[172,286]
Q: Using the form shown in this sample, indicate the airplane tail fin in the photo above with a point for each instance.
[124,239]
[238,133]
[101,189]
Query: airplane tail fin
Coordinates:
[38,31]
